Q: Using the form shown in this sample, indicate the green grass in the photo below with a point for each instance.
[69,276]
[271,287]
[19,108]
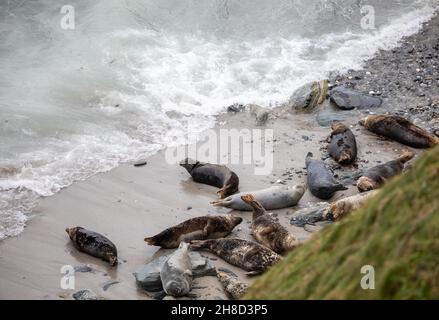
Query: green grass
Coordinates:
[397,233]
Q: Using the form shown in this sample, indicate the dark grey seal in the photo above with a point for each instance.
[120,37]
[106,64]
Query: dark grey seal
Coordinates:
[213,175]
[342,144]
[321,182]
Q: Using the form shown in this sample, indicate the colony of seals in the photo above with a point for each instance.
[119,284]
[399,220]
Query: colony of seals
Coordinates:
[199,228]
[213,175]
[375,177]
[93,243]
[247,255]
[176,272]
[268,231]
[321,182]
[275,197]
[342,144]
[401,130]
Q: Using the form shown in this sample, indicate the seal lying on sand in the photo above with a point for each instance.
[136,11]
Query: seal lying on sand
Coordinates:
[93,244]
[233,288]
[275,197]
[342,144]
[344,207]
[200,228]
[399,129]
[320,179]
[375,177]
[268,231]
[176,272]
[247,255]
[213,175]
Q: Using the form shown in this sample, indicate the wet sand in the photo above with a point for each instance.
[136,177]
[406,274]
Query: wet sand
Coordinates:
[129,203]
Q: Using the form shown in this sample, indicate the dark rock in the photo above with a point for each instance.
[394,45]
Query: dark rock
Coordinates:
[140,163]
[83,269]
[310,215]
[348,99]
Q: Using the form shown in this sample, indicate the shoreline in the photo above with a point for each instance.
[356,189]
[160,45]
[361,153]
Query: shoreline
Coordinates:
[128,203]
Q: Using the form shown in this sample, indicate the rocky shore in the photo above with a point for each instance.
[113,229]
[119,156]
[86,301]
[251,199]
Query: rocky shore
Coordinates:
[406,78]
[134,201]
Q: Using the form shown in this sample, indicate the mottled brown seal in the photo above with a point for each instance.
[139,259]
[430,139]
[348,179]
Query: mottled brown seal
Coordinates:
[247,255]
[232,286]
[344,207]
[213,175]
[268,231]
[342,144]
[200,228]
[375,177]
[93,243]
[401,130]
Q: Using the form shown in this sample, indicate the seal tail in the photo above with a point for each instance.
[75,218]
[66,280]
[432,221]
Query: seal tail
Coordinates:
[406,156]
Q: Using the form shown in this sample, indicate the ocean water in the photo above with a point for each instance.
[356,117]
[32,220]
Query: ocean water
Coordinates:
[131,75]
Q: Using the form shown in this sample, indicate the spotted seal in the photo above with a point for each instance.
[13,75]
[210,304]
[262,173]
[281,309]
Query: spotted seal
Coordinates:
[199,228]
[247,255]
[268,231]
[93,243]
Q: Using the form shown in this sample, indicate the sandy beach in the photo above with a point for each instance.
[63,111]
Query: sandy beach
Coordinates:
[129,203]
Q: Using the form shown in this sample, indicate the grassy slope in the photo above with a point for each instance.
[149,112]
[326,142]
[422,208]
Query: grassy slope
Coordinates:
[397,232]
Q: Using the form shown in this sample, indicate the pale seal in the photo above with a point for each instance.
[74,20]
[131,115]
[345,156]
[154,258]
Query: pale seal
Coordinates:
[401,130]
[321,182]
[213,175]
[375,177]
[247,255]
[200,228]
[268,231]
[275,197]
[342,144]
[93,243]
[176,272]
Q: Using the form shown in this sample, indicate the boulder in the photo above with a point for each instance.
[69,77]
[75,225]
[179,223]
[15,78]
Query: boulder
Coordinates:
[309,95]
[348,99]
